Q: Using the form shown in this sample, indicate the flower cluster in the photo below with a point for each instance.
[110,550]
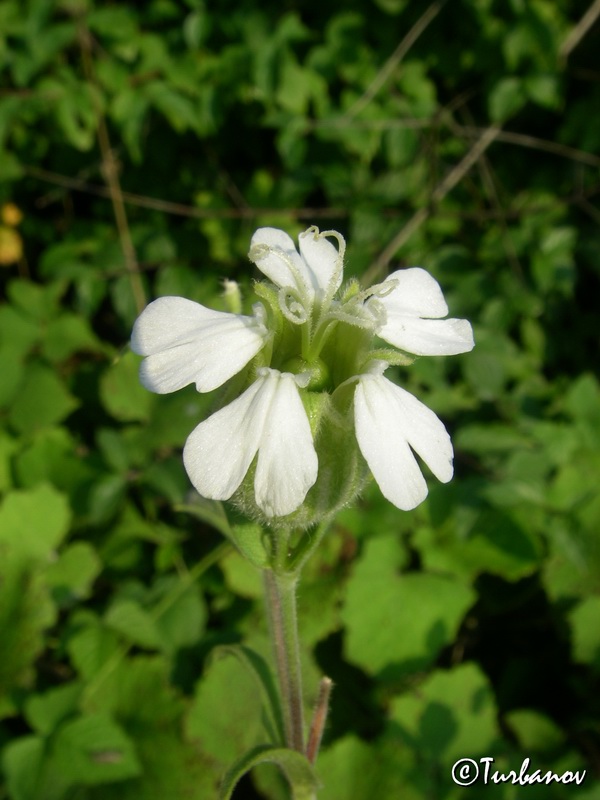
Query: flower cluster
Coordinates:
[315,412]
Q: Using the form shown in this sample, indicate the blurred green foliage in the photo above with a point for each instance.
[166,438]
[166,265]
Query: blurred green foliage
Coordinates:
[140,146]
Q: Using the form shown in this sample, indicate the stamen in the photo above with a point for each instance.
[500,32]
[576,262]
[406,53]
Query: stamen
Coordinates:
[291,306]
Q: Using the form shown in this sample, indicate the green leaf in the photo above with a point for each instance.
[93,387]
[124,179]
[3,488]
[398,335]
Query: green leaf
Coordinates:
[353,768]
[22,761]
[72,575]
[296,767]
[210,511]
[94,749]
[179,616]
[70,334]
[259,669]
[26,611]
[585,632]
[46,711]
[505,99]
[92,647]
[34,522]
[535,732]
[29,412]
[450,714]
[492,541]
[134,623]
[121,392]
[225,715]
[252,542]
[405,626]
[241,576]
[139,695]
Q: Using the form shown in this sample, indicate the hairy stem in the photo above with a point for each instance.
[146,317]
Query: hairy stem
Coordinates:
[280,592]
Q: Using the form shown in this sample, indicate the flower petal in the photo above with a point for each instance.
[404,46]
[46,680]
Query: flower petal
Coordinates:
[413,309]
[267,418]
[287,462]
[322,259]
[427,337]
[417,294]
[187,343]
[275,254]
[388,420]
[218,453]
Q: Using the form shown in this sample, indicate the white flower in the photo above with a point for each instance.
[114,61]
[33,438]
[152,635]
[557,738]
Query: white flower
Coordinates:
[315,272]
[268,419]
[389,421]
[313,338]
[184,343]
[413,308]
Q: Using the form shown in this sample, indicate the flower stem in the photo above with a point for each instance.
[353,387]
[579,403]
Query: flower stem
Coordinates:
[280,592]
[319,719]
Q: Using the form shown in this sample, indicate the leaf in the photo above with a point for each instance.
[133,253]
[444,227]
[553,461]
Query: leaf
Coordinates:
[134,623]
[70,334]
[210,511]
[448,715]
[492,541]
[44,712]
[34,522]
[139,695]
[261,672]
[585,633]
[91,647]
[180,621]
[353,768]
[22,763]
[121,392]
[505,99]
[93,749]
[28,412]
[225,714]
[535,732]
[399,621]
[296,767]
[72,575]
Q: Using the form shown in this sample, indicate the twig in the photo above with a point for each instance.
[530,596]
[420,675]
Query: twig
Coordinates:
[438,194]
[524,140]
[390,65]
[580,30]
[110,172]
[319,719]
[180,209]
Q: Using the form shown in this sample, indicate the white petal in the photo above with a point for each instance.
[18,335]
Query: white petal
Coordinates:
[427,337]
[417,293]
[267,418]
[322,259]
[187,343]
[388,420]
[219,451]
[287,462]
[275,254]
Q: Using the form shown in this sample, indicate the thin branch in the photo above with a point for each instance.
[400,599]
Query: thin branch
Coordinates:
[580,30]
[524,140]
[319,720]
[489,184]
[180,209]
[110,171]
[441,190]
[399,53]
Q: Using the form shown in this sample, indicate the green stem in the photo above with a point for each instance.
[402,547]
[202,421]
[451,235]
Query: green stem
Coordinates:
[307,546]
[280,589]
